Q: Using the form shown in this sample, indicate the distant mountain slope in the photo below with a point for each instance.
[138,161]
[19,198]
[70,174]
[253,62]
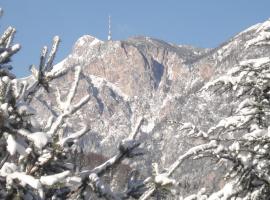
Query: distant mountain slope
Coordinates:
[160,81]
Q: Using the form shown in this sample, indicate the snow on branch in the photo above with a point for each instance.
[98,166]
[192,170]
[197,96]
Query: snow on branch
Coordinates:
[92,177]
[245,141]
[48,66]
[6,47]
[66,107]
[32,157]
[164,180]
[6,35]
[73,136]
[249,75]
[192,130]
[126,147]
[193,151]
[42,75]
[55,178]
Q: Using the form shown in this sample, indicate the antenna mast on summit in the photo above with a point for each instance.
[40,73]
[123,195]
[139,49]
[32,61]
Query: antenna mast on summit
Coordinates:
[110,32]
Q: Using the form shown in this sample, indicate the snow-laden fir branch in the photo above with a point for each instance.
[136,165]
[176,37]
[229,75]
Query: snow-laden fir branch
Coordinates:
[48,66]
[92,177]
[73,136]
[245,140]
[72,91]
[6,35]
[31,148]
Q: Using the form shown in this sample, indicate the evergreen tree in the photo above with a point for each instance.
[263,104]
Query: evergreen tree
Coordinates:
[242,139]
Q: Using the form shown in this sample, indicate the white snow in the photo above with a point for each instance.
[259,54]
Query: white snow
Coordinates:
[226,50]
[225,192]
[249,29]
[245,103]
[58,66]
[74,180]
[149,127]
[224,80]
[187,125]
[40,139]
[263,35]
[258,27]
[13,146]
[4,108]
[65,105]
[163,179]
[227,122]
[96,41]
[256,133]
[44,158]
[52,179]
[85,39]
[73,136]
[8,168]
[264,26]
[98,82]
[25,179]
[255,62]
[261,39]
[170,72]
[235,146]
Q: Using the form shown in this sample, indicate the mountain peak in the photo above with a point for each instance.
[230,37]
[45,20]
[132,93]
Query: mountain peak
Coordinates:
[87,41]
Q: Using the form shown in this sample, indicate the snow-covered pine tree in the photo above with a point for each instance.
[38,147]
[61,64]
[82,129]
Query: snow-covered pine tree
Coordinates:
[242,139]
[30,161]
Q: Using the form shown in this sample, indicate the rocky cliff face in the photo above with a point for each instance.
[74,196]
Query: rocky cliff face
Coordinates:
[147,77]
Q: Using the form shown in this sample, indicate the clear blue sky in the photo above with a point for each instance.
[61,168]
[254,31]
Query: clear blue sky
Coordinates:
[202,23]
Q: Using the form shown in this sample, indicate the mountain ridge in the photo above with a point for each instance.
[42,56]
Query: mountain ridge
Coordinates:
[159,81]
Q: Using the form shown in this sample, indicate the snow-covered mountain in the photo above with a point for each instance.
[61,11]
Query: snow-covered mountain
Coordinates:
[142,76]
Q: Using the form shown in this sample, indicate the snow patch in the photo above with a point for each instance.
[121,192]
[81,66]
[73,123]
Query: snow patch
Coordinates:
[25,179]
[258,27]
[255,62]
[85,40]
[263,35]
[170,72]
[261,39]
[264,26]
[13,146]
[149,127]
[249,29]
[8,168]
[95,41]
[99,82]
[85,44]
[40,139]
[226,50]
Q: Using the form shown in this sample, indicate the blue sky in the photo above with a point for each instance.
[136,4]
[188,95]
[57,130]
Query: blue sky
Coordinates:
[202,23]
